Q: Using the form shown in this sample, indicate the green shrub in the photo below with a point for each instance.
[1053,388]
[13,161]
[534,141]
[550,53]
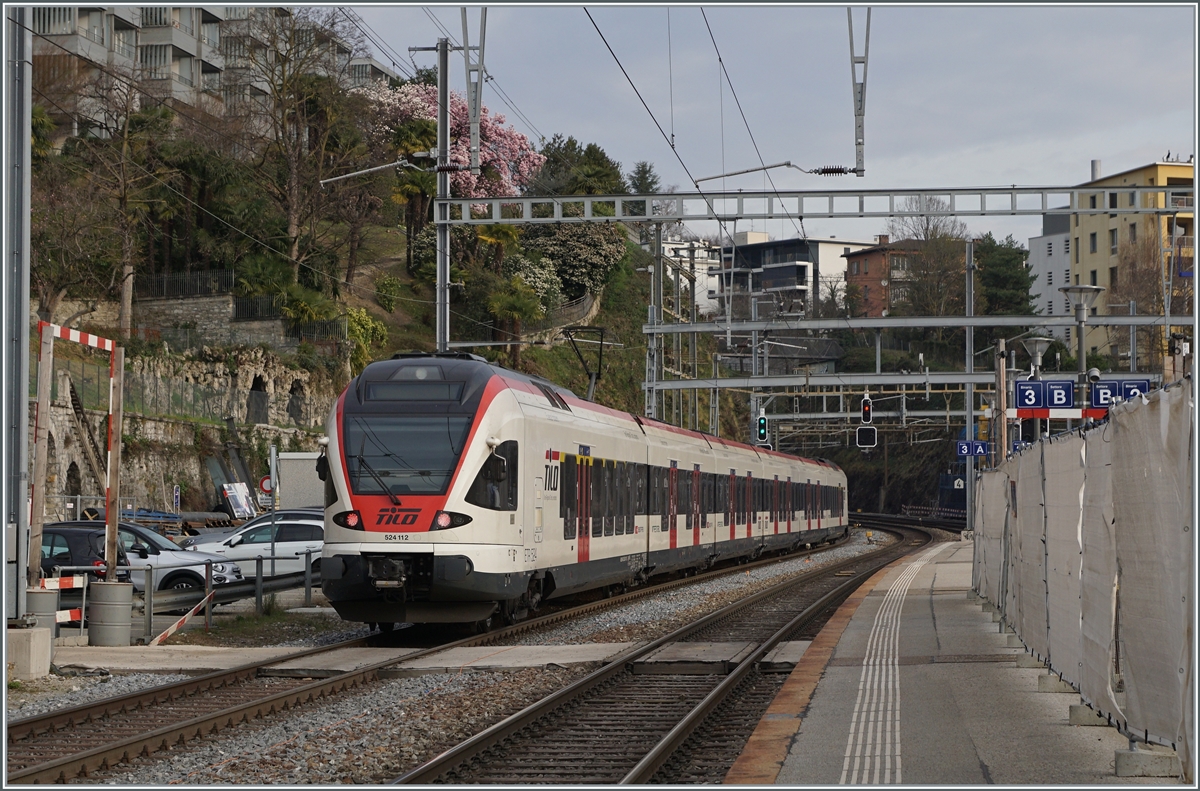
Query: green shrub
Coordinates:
[387,288]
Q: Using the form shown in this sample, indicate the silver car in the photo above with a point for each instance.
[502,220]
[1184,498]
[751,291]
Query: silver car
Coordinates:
[144,547]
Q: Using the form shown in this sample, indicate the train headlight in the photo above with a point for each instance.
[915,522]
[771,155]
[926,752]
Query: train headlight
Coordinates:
[445,520]
[349,519]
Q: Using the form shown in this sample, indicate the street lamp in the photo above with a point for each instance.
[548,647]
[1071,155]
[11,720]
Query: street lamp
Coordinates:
[1082,297]
[1036,347]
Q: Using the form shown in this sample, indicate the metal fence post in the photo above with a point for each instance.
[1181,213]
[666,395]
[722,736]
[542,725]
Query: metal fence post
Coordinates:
[83,604]
[208,583]
[148,601]
[308,578]
[258,585]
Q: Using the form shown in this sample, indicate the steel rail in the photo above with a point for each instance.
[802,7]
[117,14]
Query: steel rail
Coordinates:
[666,747]
[66,767]
[490,737]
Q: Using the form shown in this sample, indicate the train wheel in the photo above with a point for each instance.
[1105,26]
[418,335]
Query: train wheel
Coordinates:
[484,626]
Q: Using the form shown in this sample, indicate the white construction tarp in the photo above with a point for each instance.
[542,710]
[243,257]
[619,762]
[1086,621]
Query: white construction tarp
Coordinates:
[1030,547]
[1152,490]
[991,513]
[1064,475]
[1099,589]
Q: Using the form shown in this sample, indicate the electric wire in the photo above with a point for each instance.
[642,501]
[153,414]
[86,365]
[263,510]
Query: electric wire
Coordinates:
[761,161]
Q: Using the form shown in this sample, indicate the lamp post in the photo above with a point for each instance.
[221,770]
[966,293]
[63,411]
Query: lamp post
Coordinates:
[1082,298]
[1036,347]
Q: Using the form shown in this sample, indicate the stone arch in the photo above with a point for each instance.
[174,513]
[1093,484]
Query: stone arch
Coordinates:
[257,401]
[74,482]
[296,400]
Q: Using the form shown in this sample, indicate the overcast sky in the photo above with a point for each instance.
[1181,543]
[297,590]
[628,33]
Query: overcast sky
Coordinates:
[956,96]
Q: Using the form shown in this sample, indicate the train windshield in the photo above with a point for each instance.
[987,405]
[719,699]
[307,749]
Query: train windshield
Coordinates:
[403,455]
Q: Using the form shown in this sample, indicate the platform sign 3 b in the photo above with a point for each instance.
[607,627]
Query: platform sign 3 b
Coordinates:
[1036,394]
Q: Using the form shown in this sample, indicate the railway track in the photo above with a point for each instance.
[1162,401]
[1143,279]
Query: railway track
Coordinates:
[626,723]
[78,741]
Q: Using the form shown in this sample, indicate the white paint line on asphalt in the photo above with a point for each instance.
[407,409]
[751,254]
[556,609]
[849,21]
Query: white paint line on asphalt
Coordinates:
[874,740]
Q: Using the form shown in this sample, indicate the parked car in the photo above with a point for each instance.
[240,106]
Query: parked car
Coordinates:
[314,516]
[145,547]
[79,544]
[293,537]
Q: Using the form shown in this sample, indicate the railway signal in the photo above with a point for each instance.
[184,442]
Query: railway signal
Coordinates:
[762,428]
[866,409]
[866,436]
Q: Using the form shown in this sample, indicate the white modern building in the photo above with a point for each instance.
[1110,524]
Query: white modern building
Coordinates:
[1050,264]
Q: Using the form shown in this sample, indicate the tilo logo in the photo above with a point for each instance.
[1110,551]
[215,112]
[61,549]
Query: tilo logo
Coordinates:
[397,516]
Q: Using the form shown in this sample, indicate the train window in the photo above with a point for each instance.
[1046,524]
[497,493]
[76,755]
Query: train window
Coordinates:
[495,485]
[684,501]
[404,454]
[639,489]
[414,391]
[567,497]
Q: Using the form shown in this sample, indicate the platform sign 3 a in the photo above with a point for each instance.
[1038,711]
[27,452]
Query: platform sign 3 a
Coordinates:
[971,447]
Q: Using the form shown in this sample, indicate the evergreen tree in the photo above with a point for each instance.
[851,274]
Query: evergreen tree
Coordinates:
[1004,279]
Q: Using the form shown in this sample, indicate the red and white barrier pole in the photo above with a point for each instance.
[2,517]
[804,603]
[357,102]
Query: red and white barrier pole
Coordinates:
[173,628]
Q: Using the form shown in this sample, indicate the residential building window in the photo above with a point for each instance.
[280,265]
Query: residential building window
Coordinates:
[1077,251]
[1112,277]
[53,21]
[1049,278]
[1067,246]
[1050,308]
[156,17]
[237,12]
[1092,277]
[155,60]
[899,263]
[1133,233]
[1112,200]
[865,263]
[1076,279]
[1091,201]
[1049,248]
[866,294]
[1091,243]
[854,267]
[1067,276]
[1112,241]
[1133,199]
[1076,220]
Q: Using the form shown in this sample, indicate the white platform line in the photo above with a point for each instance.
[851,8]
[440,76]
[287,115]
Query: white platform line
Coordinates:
[873,744]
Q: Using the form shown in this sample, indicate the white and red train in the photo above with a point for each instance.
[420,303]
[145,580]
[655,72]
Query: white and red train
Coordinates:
[456,491]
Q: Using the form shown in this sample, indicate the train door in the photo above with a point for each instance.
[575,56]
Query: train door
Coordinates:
[820,502]
[697,506]
[584,507]
[750,515]
[790,497]
[808,504]
[731,506]
[673,502]
[775,505]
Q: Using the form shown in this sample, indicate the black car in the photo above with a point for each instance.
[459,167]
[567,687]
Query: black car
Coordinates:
[78,546]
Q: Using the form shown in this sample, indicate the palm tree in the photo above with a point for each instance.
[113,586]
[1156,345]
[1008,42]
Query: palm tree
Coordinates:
[502,238]
[513,304]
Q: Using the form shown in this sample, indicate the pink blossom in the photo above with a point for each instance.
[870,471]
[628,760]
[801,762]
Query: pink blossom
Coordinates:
[508,160]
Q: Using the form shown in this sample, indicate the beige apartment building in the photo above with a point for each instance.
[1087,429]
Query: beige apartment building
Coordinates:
[1128,255]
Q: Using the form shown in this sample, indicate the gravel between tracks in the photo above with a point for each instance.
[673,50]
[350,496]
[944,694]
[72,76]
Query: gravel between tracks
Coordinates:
[368,736]
[47,694]
[653,616]
[378,733]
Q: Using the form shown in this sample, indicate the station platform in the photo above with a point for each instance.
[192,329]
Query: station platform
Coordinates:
[912,683]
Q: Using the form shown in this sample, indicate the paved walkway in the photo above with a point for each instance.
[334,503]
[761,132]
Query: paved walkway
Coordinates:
[912,683]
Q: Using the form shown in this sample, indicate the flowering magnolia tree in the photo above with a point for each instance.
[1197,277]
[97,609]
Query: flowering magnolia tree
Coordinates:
[507,159]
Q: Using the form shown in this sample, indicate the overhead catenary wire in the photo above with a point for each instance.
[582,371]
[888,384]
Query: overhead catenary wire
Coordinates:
[758,153]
